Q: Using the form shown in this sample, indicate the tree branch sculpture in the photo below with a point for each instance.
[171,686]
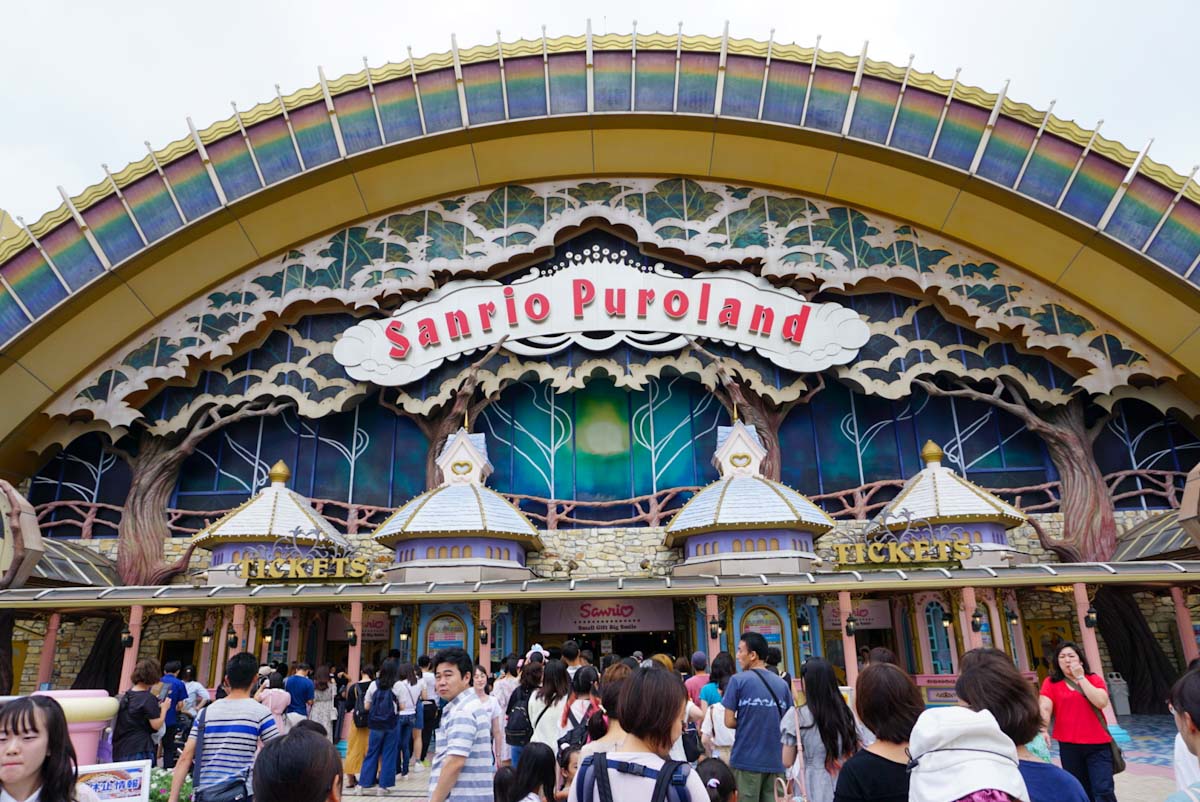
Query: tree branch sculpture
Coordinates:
[1089,522]
[765,415]
[154,471]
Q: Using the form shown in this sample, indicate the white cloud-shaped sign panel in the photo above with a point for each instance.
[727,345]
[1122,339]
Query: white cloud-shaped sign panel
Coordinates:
[594,303]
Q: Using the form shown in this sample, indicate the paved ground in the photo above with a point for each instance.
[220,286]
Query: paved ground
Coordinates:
[1149,777]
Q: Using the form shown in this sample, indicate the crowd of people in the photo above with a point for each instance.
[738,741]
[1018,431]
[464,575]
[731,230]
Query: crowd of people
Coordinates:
[554,727]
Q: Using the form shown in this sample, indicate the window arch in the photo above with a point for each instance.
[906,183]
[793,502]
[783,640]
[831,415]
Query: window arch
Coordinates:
[737,546]
[939,638]
[762,544]
[774,544]
[454,552]
[430,553]
[466,551]
[442,553]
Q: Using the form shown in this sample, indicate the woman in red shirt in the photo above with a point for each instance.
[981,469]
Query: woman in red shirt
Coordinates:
[1075,697]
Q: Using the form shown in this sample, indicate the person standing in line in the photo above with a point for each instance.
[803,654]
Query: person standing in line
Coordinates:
[356,746]
[547,705]
[888,704]
[272,696]
[714,735]
[429,709]
[756,701]
[570,656]
[298,767]
[1185,708]
[408,694]
[533,782]
[604,728]
[198,695]
[518,726]
[323,711]
[141,711]
[301,690]
[383,721]
[1075,698]
[177,692]
[232,730]
[494,712]
[463,759]
[723,668]
[502,692]
[698,679]
[987,680]
[824,729]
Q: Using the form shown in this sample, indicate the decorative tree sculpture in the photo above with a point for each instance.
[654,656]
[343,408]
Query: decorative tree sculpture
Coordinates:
[1089,524]
[154,470]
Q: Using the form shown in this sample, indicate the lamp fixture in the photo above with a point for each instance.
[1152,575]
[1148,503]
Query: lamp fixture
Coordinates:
[232,640]
[267,638]
[1011,616]
[851,624]
[714,627]
[976,621]
[164,610]
[126,638]
[803,623]
[1089,618]
[207,636]
[351,636]
[483,634]
[945,620]
[403,636]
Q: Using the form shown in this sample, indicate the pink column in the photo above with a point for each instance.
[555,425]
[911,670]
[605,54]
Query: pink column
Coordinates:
[972,639]
[222,633]
[996,619]
[485,619]
[131,654]
[1183,620]
[1091,648]
[712,610]
[239,627]
[205,668]
[268,623]
[252,635]
[293,636]
[354,653]
[46,662]
[849,643]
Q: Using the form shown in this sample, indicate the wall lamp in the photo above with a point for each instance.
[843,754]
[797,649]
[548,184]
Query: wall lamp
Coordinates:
[803,622]
[483,634]
[1089,618]
[126,638]
[976,621]
[714,628]
[851,624]
[351,636]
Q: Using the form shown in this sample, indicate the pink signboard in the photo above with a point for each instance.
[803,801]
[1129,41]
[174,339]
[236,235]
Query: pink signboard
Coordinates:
[870,614]
[607,615]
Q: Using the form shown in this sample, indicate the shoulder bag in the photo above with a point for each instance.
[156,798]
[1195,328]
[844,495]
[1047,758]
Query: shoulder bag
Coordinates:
[1118,759]
[231,789]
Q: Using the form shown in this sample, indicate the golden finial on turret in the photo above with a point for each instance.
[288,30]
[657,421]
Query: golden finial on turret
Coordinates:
[280,473]
[931,452]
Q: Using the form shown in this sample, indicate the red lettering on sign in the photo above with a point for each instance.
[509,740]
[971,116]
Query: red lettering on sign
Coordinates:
[675,304]
[730,313]
[587,610]
[583,292]
[614,302]
[537,307]
[400,344]
[487,311]
[794,325]
[645,298]
[762,320]
[456,324]
[427,332]
[705,293]
[510,306]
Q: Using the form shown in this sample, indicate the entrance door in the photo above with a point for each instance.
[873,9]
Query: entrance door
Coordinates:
[182,650]
[1042,637]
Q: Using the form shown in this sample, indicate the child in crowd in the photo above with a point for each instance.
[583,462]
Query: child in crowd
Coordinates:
[568,764]
[718,779]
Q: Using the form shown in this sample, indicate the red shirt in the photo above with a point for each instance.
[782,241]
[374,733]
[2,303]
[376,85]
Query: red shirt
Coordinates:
[693,685]
[1076,720]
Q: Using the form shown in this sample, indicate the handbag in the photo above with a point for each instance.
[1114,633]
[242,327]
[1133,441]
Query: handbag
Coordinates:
[794,785]
[1118,758]
[231,789]
[692,746]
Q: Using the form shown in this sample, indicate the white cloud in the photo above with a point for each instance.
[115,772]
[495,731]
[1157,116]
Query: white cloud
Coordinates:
[86,83]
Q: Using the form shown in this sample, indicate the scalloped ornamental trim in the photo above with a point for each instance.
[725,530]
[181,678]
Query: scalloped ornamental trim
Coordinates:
[980,98]
[400,255]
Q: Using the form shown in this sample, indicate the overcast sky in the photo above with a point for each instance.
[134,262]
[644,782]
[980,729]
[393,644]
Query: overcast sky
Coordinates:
[87,82]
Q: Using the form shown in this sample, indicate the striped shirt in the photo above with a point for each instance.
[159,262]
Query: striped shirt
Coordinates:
[232,730]
[465,731]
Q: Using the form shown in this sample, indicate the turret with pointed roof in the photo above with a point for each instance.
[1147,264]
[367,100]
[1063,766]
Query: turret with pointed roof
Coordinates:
[743,516]
[937,502]
[461,529]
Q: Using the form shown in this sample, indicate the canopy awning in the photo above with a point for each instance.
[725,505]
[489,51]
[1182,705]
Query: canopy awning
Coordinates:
[1156,538]
[68,564]
[1142,573]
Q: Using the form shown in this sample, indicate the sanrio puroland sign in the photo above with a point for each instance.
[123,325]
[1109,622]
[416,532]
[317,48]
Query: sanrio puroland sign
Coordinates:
[597,301]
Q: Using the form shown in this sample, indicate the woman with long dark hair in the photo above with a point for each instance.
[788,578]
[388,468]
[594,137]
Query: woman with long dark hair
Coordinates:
[719,672]
[604,728]
[323,710]
[37,760]
[356,746]
[408,698]
[546,706]
[714,735]
[1075,698]
[823,727]
[532,781]
[383,741]
[531,680]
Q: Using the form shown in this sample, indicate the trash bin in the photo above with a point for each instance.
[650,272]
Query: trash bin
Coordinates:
[1118,693]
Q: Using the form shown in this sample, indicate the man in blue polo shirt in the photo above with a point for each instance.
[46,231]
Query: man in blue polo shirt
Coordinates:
[755,702]
[174,689]
[301,689]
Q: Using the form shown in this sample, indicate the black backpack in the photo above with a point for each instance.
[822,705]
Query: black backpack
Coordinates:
[575,736]
[592,783]
[361,717]
[518,729]
[383,715]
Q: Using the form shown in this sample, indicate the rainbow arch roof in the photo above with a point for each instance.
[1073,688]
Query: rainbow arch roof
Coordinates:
[1088,213]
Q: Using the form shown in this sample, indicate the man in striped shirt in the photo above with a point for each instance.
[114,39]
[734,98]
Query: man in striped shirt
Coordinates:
[462,763]
[233,728]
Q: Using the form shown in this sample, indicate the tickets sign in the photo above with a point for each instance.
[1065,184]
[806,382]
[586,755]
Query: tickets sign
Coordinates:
[598,302]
